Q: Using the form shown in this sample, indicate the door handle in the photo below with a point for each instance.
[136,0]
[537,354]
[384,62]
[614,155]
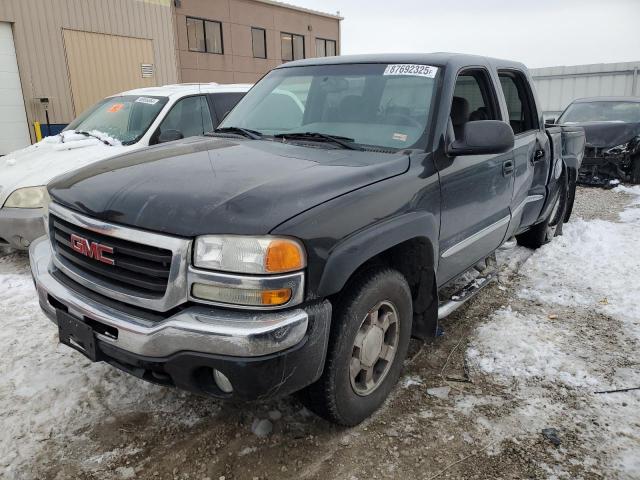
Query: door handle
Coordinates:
[538,155]
[507,167]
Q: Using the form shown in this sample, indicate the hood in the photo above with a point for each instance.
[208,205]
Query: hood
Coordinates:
[212,185]
[608,134]
[38,164]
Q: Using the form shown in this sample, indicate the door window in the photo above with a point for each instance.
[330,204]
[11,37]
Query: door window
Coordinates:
[474,98]
[520,105]
[190,116]
[223,103]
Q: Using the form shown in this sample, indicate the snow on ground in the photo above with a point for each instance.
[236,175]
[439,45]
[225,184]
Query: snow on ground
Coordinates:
[48,390]
[573,330]
[570,329]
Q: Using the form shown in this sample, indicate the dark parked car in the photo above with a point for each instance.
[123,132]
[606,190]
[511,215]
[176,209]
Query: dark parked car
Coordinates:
[301,245]
[612,128]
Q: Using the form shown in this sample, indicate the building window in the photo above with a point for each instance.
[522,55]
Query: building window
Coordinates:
[292,46]
[195,34]
[204,35]
[325,48]
[259,40]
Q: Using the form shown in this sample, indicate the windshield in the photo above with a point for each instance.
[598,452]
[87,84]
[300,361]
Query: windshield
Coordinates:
[125,118]
[373,104]
[626,112]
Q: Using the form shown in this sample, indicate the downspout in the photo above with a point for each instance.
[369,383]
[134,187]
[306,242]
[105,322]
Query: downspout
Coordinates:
[174,4]
[339,46]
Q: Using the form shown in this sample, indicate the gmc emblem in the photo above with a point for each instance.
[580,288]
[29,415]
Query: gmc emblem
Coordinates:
[93,250]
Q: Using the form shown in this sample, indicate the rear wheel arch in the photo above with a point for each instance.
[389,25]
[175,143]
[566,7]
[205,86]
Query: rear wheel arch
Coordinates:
[554,216]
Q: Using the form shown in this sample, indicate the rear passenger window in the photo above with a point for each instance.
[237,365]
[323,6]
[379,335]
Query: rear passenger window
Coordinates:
[473,99]
[522,112]
[223,103]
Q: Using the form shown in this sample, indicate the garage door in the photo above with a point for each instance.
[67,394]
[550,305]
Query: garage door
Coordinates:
[14,129]
[100,65]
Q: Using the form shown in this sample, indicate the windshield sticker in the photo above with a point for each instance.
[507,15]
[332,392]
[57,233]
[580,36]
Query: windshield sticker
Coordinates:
[116,107]
[411,69]
[147,100]
[400,137]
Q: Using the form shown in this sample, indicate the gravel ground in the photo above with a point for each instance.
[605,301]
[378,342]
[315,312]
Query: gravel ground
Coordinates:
[481,424]
[592,203]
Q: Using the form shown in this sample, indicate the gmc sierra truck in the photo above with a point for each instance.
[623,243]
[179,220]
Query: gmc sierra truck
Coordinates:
[300,245]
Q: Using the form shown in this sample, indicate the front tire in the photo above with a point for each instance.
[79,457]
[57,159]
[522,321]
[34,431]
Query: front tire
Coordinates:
[368,345]
[543,232]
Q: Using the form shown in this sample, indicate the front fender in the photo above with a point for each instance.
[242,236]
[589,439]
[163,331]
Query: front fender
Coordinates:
[352,252]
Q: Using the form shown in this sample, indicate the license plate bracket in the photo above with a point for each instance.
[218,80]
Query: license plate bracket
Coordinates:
[76,334]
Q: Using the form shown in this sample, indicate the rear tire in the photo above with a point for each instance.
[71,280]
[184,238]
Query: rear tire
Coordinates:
[635,170]
[543,232]
[364,360]
[570,201]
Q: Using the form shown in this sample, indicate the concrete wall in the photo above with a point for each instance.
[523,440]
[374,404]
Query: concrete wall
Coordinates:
[237,17]
[558,86]
[38,33]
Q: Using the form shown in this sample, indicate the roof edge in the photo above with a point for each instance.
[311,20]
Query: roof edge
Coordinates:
[300,9]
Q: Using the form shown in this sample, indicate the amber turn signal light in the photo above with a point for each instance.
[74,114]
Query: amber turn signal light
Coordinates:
[276,297]
[284,256]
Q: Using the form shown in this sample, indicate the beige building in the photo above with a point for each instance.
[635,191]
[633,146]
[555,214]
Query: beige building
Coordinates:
[240,40]
[58,57]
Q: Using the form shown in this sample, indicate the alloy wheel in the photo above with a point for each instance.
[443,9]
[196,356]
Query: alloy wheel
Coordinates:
[374,348]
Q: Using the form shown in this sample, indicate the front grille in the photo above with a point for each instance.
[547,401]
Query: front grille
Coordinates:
[138,269]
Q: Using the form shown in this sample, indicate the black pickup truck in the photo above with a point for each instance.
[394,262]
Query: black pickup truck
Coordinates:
[299,246]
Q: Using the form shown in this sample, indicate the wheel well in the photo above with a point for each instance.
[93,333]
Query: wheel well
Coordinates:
[413,258]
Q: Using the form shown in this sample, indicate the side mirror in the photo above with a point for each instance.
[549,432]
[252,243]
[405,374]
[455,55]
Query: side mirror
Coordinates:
[483,137]
[550,121]
[170,136]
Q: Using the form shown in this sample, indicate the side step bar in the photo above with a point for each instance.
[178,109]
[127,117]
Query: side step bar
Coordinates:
[467,292]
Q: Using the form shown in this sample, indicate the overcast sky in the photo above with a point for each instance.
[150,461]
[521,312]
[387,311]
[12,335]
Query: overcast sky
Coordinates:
[539,33]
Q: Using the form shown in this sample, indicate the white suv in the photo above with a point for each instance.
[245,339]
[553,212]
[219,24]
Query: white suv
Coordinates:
[117,124]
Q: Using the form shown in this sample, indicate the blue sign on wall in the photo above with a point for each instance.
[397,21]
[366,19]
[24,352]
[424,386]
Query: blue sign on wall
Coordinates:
[51,129]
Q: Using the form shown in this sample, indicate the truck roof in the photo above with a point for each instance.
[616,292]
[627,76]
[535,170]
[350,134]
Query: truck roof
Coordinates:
[606,99]
[437,59]
[181,89]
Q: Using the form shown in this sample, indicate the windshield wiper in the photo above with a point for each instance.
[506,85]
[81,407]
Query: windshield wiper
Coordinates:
[344,142]
[87,134]
[245,132]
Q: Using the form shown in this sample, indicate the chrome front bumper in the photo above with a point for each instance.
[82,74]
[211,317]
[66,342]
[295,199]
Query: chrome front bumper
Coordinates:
[20,226]
[196,328]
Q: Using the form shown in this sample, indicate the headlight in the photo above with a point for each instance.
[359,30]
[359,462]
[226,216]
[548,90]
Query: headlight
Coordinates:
[258,255]
[627,147]
[618,149]
[29,197]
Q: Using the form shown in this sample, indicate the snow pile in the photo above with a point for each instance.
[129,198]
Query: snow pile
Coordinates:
[104,137]
[69,140]
[593,265]
[580,335]
[515,345]
[631,214]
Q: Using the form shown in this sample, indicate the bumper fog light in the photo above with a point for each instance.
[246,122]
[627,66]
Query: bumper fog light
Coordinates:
[241,296]
[222,382]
